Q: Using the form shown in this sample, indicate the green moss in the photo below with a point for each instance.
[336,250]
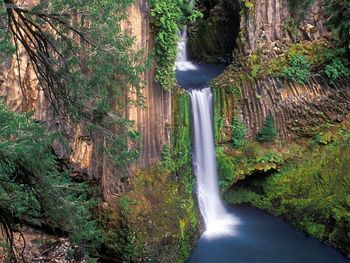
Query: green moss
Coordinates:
[311,189]
[237,164]
[297,63]
[227,94]
[157,219]
[314,229]
[225,169]
[325,137]
[181,139]
[157,212]
[249,4]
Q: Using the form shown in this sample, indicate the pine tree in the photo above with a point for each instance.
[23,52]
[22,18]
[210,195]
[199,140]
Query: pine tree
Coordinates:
[85,65]
[33,189]
[268,131]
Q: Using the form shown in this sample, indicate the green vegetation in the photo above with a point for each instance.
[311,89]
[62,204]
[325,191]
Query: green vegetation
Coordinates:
[291,26]
[298,63]
[159,209]
[158,212]
[306,183]
[85,69]
[167,162]
[239,131]
[168,18]
[227,96]
[338,12]
[235,165]
[311,191]
[34,190]
[248,4]
[225,169]
[298,69]
[268,131]
[336,69]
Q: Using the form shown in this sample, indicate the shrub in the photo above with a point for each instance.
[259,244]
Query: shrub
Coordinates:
[338,13]
[270,157]
[268,131]
[336,69]
[251,150]
[239,131]
[298,69]
[167,161]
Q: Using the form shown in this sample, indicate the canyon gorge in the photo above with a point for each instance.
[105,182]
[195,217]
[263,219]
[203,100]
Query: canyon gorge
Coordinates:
[278,72]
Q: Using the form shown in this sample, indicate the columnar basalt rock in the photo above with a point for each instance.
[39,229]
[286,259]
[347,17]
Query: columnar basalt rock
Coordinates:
[153,121]
[267,22]
[297,108]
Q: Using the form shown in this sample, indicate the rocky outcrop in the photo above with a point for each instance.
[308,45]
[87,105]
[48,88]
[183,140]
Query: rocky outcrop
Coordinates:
[267,21]
[269,28]
[297,109]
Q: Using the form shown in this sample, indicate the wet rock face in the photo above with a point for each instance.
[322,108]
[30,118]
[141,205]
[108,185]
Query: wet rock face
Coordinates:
[213,38]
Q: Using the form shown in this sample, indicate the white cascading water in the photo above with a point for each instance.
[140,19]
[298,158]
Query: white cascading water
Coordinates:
[182,62]
[217,220]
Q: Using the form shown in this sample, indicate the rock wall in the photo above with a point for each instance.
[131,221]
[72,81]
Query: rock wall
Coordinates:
[213,37]
[154,122]
[268,22]
[298,109]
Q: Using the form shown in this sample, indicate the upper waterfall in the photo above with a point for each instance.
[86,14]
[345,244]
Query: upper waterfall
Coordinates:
[182,62]
[190,74]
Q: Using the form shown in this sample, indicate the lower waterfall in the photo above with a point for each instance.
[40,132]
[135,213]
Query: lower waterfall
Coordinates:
[217,220]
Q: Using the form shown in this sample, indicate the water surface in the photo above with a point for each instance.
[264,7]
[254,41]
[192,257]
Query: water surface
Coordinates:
[261,238]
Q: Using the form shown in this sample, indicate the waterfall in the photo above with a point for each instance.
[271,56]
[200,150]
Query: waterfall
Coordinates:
[217,220]
[182,62]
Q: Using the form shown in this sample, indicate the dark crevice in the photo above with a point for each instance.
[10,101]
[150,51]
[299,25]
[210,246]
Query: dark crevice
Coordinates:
[212,38]
[254,182]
